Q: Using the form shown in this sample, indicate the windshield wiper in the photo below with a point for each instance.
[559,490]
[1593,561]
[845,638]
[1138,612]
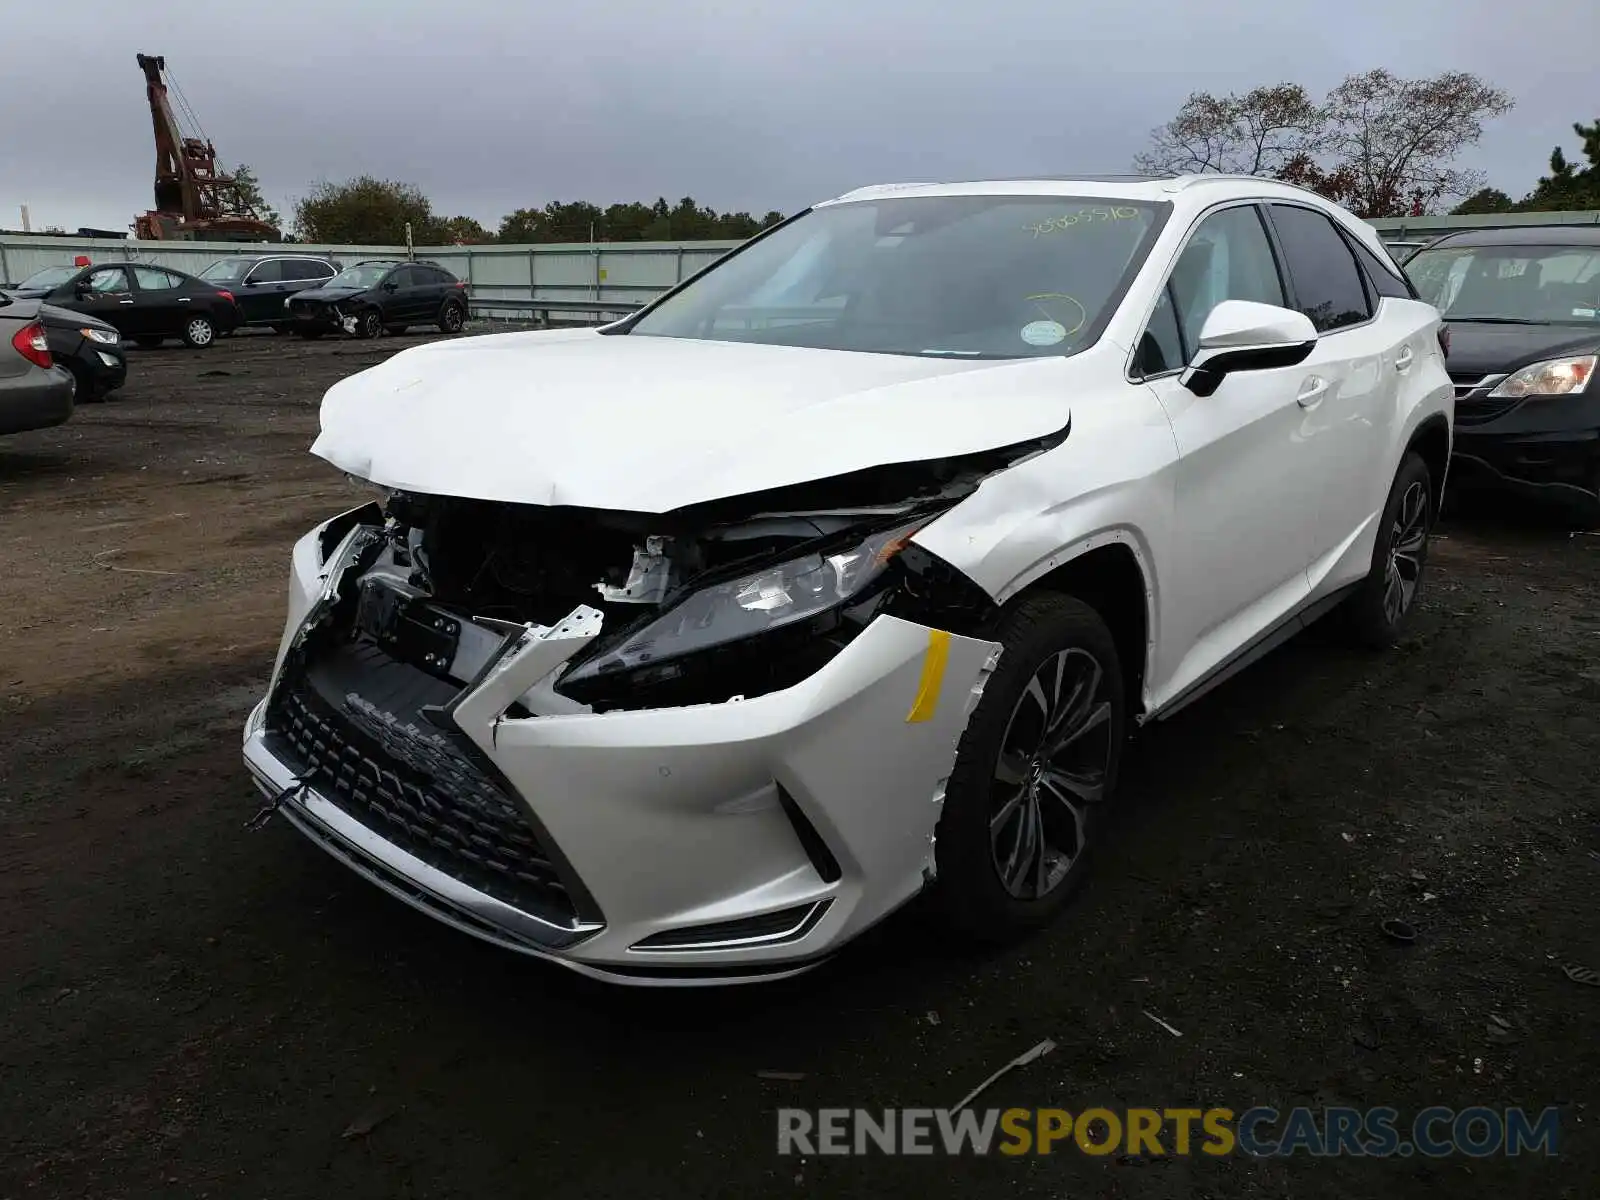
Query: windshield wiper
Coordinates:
[1498,320]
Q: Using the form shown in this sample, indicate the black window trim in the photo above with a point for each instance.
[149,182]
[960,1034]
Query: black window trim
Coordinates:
[1355,259]
[1130,374]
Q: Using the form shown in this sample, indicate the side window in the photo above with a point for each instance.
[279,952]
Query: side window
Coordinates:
[1228,258]
[109,279]
[401,277]
[1386,279]
[1161,347]
[153,280]
[1326,280]
[270,271]
[310,269]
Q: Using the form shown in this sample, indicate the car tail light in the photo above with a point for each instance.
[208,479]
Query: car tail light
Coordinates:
[30,342]
[1444,340]
[462,284]
[226,295]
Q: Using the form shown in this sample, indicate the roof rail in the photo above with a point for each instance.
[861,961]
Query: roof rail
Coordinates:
[1190,178]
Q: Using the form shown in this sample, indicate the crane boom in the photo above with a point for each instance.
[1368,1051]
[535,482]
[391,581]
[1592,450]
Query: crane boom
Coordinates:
[192,199]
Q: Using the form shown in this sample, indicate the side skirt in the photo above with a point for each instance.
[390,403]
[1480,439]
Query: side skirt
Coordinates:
[1260,648]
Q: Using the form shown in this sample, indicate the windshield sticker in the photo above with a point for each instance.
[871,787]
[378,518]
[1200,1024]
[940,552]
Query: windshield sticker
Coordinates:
[1044,333]
[1585,312]
[1084,216]
[1057,308]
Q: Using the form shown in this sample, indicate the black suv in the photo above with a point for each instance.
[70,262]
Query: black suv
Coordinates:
[262,282]
[1523,308]
[367,299]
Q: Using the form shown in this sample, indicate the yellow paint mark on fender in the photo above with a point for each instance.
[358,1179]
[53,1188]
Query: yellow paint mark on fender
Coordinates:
[933,663]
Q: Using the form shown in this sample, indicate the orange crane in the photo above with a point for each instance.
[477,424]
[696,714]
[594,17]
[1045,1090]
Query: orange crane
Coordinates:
[192,200]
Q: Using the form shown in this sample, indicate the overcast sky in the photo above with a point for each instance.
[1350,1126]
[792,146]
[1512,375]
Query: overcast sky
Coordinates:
[743,104]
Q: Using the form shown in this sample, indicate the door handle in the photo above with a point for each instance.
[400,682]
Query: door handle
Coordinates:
[1402,361]
[1312,391]
[124,301]
[183,299]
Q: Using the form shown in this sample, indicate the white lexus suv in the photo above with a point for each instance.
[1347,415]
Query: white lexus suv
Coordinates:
[686,648]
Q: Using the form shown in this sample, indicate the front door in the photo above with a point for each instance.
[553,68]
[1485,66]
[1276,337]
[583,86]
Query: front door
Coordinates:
[262,292]
[107,293]
[1241,477]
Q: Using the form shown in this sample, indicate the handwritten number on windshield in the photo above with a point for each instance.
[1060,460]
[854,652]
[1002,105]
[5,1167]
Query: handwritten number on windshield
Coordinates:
[1084,216]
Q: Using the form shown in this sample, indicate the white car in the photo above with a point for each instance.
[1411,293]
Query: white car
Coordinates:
[684,649]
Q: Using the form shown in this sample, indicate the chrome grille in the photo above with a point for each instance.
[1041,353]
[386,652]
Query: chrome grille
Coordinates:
[414,789]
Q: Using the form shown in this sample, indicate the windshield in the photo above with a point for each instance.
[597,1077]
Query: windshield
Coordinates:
[1537,284]
[362,275]
[50,277]
[956,276]
[227,270]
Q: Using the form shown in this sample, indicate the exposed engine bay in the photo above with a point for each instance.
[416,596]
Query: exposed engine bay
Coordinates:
[718,602]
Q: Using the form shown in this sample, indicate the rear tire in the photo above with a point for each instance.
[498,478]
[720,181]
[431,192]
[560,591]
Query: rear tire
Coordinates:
[452,317]
[200,332]
[1376,615]
[1033,772]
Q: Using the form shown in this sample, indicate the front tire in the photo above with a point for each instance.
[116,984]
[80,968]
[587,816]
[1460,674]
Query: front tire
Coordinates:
[1383,602]
[371,324]
[83,390]
[1033,772]
[199,332]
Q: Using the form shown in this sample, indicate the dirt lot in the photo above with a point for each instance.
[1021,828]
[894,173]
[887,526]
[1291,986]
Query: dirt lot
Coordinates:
[189,1009]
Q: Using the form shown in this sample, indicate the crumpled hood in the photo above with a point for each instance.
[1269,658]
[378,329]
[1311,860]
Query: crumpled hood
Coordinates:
[652,424]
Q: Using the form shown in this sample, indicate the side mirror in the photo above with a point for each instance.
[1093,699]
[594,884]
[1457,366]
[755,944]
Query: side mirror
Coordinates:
[391,286]
[251,282]
[83,290]
[1241,335]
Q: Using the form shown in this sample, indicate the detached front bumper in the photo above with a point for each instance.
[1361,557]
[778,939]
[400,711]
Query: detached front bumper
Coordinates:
[705,844]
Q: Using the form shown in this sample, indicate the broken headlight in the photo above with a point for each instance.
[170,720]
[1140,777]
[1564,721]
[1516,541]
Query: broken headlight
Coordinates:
[784,595]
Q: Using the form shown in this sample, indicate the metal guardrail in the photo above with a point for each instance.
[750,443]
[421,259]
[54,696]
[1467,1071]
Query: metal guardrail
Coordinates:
[540,312]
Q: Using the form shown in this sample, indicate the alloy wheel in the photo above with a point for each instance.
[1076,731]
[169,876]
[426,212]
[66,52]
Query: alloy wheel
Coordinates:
[371,325]
[201,332]
[1055,758]
[452,319]
[1408,538]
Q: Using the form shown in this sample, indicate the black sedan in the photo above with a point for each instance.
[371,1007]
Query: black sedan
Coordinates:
[367,299]
[89,349]
[142,301]
[1523,307]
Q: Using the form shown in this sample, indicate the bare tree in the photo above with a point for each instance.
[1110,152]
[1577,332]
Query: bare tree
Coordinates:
[1395,140]
[1256,133]
[1381,145]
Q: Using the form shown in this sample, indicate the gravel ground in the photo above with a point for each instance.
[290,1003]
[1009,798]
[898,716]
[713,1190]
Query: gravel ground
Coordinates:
[188,1009]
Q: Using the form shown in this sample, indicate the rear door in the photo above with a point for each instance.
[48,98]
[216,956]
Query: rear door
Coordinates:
[1346,396]
[161,302]
[416,289]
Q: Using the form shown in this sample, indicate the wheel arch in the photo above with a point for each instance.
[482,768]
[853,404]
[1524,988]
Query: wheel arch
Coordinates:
[1431,440]
[1110,573]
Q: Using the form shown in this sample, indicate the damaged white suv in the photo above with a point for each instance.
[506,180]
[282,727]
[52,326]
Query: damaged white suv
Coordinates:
[687,648]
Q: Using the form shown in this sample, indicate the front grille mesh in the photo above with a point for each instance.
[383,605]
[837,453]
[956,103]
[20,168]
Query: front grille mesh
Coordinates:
[412,787]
